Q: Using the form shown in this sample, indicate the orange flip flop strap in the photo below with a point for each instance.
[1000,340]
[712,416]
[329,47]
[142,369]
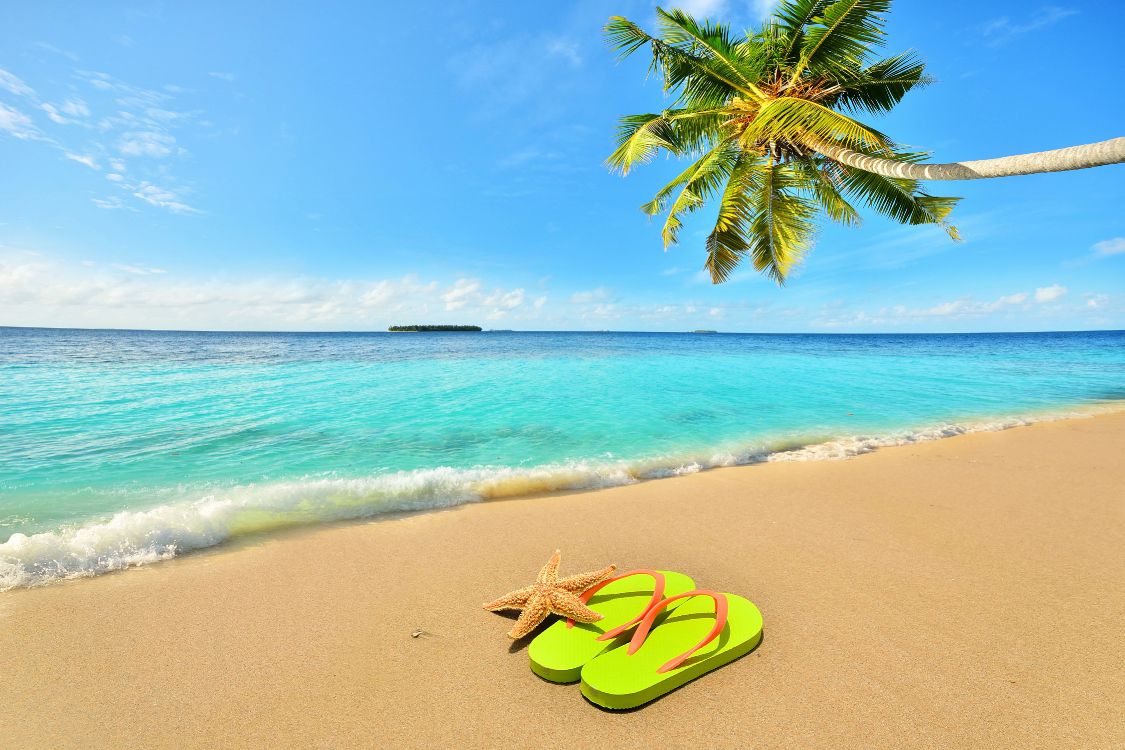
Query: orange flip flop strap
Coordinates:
[721,606]
[657,595]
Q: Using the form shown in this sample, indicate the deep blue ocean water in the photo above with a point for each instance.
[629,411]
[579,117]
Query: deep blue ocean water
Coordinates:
[123,447]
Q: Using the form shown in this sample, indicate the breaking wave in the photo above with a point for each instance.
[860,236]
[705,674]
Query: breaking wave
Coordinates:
[132,538]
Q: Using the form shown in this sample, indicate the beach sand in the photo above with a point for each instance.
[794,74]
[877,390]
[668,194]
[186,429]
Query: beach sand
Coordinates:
[968,592]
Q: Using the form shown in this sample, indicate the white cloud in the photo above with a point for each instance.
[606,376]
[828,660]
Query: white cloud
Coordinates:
[139,128]
[228,77]
[137,270]
[1002,30]
[146,143]
[164,198]
[463,290]
[75,109]
[590,295]
[12,84]
[1094,301]
[566,49]
[700,8]
[17,124]
[36,291]
[724,10]
[1049,293]
[470,294]
[1113,246]
[87,160]
[110,203]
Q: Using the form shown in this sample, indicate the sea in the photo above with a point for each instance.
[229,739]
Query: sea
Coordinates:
[123,448]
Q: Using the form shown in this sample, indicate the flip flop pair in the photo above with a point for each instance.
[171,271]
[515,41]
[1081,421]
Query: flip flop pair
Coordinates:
[679,633]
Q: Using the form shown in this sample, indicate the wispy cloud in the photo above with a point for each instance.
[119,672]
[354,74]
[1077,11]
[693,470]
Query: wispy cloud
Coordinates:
[17,124]
[36,290]
[1050,293]
[1002,30]
[109,203]
[228,77]
[12,84]
[146,143]
[87,160]
[138,270]
[1099,251]
[130,125]
[1113,246]
[567,49]
[163,197]
[601,294]
[724,10]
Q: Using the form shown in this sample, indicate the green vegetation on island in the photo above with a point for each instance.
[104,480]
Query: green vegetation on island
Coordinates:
[431,329]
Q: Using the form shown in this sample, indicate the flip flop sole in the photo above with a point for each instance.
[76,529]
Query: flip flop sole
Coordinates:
[558,653]
[615,679]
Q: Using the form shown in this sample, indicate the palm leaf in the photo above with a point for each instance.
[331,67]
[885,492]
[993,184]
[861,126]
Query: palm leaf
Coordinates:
[845,32]
[706,176]
[900,199]
[801,120]
[639,137]
[792,17]
[783,226]
[728,242]
[711,42]
[880,86]
[819,182]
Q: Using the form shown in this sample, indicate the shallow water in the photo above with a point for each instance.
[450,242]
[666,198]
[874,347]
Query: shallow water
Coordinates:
[123,447]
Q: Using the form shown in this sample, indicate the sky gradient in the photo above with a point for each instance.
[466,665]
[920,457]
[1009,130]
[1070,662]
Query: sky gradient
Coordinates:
[347,167]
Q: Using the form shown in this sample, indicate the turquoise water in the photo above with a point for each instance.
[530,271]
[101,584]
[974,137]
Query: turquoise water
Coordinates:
[120,448]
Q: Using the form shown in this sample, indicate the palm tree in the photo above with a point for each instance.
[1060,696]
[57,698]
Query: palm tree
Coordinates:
[767,119]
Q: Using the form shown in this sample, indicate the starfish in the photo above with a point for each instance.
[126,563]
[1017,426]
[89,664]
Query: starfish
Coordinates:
[550,595]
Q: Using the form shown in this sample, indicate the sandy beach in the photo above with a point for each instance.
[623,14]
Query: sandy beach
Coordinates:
[968,592]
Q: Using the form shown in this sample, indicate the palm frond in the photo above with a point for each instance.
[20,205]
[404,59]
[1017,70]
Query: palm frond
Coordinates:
[824,184]
[791,17]
[707,175]
[881,85]
[900,199]
[845,32]
[783,224]
[697,81]
[624,36]
[711,42]
[801,120]
[639,138]
[729,242]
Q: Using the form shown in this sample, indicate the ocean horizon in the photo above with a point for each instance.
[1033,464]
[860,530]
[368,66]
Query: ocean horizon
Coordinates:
[125,447]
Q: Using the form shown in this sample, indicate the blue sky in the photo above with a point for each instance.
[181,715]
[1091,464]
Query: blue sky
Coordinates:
[346,166]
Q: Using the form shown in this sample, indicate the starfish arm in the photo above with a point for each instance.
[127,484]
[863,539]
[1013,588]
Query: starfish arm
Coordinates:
[579,583]
[537,609]
[550,572]
[569,605]
[514,600]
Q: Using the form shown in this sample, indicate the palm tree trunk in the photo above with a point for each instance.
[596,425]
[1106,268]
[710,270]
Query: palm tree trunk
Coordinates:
[1059,160]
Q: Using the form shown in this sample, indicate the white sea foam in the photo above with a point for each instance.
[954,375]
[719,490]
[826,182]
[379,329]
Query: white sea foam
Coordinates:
[133,538]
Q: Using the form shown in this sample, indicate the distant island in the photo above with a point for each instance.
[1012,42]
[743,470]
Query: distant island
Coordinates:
[703,330]
[431,329]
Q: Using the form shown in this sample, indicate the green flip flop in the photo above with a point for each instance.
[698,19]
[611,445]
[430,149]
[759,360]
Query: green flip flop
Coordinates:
[708,630]
[559,652]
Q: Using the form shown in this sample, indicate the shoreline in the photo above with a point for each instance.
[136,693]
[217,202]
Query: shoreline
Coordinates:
[962,593]
[219,517]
